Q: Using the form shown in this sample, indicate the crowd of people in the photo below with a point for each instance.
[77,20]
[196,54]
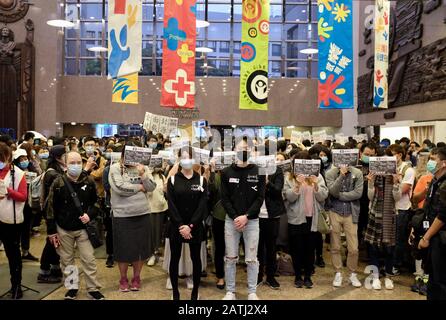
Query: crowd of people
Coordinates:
[73,185]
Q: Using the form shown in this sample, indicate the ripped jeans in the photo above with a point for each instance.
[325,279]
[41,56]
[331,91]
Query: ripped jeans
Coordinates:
[232,241]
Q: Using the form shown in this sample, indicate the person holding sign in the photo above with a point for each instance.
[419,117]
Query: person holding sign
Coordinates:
[131,218]
[305,197]
[345,184]
[187,200]
[384,191]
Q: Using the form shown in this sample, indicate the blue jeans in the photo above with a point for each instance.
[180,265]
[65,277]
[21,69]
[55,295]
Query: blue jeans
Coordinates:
[232,241]
[401,246]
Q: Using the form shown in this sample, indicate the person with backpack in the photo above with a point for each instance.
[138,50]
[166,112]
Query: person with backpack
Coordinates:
[187,202]
[20,160]
[13,194]
[50,261]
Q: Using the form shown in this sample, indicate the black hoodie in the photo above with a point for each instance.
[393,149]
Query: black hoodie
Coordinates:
[243,191]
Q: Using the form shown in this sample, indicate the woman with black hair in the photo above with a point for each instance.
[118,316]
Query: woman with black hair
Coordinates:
[13,194]
[187,199]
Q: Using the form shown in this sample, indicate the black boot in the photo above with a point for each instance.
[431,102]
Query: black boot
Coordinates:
[16,292]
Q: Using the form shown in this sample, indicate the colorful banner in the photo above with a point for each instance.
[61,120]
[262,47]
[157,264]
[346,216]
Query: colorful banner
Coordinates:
[178,78]
[124,37]
[382,34]
[125,89]
[254,55]
[335,31]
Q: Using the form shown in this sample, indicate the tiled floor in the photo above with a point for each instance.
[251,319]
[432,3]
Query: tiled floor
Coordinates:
[154,282]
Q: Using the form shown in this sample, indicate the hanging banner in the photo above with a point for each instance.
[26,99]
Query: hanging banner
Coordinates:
[178,74]
[124,37]
[125,89]
[335,44]
[382,34]
[254,55]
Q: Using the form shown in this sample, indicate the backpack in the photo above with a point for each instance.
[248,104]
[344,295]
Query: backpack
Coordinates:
[36,190]
[285,265]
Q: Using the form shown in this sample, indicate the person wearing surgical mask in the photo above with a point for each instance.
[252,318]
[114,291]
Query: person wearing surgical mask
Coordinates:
[187,203]
[152,143]
[66,224]
[43,155]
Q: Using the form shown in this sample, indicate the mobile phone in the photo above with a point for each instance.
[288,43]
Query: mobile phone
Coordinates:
[37,141]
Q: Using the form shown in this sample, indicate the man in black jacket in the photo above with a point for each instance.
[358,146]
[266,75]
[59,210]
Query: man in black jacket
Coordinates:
[243,191]
[66,224]
[435,237]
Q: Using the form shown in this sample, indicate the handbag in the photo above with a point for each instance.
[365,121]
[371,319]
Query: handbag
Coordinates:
[285,265]
[323,225]
[92,226]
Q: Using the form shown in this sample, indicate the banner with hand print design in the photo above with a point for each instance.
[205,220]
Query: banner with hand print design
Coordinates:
[382,34]
[124,37]
[335,44]
[179,35]
[254,55]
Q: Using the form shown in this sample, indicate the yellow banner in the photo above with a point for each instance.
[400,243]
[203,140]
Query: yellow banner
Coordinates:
[125,89]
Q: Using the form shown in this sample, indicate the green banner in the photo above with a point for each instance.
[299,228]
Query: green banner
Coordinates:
[254,55]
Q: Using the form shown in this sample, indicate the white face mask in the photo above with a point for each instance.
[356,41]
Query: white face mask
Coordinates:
[187,163]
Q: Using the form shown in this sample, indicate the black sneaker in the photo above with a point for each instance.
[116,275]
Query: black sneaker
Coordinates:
[71,294]
[272,283]
[44,278]
[29,257]
[57,272]
[110,262]
[320,262]
[96,295]
[204,274]
[16,293]
[298,282]
[308,283]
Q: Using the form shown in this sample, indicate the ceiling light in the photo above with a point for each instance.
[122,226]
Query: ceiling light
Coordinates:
[295,84]
[73,123]
[234,126]
[204,49]
[150,79]
[92,18]
[294,68]
[202,24]
[309,51]
[224,80]
[97,49]
[57,123]
[154,83]
[290,127]
[60,23]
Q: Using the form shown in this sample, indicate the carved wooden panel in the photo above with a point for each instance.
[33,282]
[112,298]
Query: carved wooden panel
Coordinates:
[431,5]
[13,10]
[408,28]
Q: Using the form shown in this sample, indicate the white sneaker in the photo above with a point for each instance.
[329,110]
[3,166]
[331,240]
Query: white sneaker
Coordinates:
[354,280]
[337,282]
[229,296]
[388,284]
[168,284]
[253,296]
[189,283]
[151,261]
[376,284]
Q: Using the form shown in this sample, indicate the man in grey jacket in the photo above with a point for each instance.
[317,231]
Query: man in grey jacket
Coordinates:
[345,186]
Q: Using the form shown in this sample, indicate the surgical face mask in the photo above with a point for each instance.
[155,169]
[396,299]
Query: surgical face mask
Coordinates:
[44,155]
[89,150]
[171,161]
[365,159]
[24,164]
[187,163]
[74,170]
[431,166]
[153,145]
[324,160]
[242,156]
[102,149]
[2,165]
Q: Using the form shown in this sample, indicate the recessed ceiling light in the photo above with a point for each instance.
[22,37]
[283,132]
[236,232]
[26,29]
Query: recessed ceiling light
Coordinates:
[97,49]
[154,83]
[294,68]
[295,84]
[290,127]
[309,51]
[92,18]
[57,123]
[60,23]
[224,80]
[234,126]
[150,79]
[202,24]
[204,50]
[73,123]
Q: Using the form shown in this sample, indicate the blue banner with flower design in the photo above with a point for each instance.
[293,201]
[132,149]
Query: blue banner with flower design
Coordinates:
[335,45]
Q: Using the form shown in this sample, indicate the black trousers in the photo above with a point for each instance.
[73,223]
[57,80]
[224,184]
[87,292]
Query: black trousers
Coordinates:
[49,257]
[175,248]
[302,242]
[319,244]
[10,236]
[266,253]
[436,287]
[218,232]
[108,224]
[25,234]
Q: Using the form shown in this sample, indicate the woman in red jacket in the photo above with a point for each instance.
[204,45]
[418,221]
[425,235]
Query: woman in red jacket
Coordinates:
[13,194]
